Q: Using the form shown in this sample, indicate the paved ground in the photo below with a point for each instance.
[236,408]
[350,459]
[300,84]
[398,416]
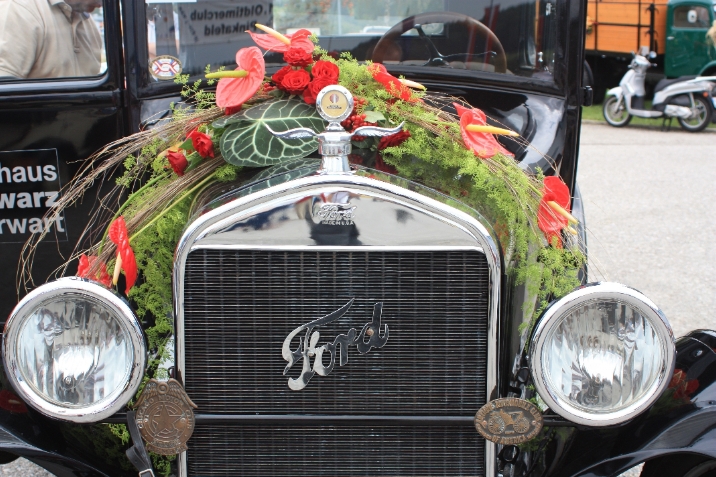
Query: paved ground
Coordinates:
[648,198]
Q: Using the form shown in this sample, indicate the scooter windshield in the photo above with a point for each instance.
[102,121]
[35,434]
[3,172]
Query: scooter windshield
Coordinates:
[506,37]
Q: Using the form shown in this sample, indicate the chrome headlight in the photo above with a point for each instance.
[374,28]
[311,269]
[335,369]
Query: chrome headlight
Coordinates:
[74,350]
[602,354]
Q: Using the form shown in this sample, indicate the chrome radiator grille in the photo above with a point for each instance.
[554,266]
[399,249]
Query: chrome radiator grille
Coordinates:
[239,306]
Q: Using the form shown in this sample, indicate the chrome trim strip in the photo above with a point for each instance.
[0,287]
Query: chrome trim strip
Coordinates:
[583,294]
[336,248]
[354,419]
[470,223]
[108,405]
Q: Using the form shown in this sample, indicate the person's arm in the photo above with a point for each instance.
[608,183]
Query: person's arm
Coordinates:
[20,38]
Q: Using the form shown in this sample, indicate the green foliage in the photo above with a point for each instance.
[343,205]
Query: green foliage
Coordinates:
[227,173]
[120,431]
[195,94]
[162,464]
[154,252]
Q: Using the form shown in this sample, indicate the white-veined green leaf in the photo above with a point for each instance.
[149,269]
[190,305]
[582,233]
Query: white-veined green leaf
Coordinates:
[247,142]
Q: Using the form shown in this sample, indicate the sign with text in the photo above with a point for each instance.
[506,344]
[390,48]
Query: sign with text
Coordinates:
[29,187]
[210,21]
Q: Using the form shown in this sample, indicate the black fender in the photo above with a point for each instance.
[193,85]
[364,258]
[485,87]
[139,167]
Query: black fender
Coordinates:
[680,424]
[12,442]
[63,448]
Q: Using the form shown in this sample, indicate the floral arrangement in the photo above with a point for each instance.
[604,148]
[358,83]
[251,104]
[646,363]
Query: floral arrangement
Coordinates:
[223,136]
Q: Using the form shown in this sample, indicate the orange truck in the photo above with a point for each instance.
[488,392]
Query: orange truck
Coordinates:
[676,30]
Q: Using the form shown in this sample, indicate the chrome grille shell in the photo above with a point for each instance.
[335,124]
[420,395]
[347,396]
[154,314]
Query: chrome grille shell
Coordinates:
[398,216]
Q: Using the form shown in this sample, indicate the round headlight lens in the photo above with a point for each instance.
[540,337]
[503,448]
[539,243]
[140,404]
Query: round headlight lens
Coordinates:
[74,350]
[602,354]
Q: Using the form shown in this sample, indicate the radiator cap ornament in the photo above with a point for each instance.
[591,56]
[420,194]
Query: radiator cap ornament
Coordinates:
[508,421]
[165,417]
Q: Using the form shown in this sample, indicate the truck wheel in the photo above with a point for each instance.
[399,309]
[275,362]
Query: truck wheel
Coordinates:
[615,112]
[700,116]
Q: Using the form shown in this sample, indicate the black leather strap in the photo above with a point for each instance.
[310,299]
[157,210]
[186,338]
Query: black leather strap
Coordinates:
[137,454]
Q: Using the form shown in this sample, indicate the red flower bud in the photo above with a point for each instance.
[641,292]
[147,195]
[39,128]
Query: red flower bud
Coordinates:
[202,143]
[178,162]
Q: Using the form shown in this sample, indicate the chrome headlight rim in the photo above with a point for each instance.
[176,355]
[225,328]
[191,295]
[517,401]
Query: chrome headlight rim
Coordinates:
[117,398]
[553,316]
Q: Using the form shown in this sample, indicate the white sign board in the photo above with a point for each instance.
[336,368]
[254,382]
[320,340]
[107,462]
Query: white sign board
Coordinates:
[212,21]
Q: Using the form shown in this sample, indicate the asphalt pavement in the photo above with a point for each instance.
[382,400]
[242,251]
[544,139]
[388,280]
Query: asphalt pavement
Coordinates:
[648,198]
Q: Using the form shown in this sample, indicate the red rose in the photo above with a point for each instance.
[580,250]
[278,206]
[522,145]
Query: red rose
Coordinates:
[295,81]
[325,69]
[178,162]
[394,140]
[278,76]
[298,57]
[202,143]
[315,87]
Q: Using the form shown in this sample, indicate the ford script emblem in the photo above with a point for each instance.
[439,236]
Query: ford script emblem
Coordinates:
[307,345]
[336,214]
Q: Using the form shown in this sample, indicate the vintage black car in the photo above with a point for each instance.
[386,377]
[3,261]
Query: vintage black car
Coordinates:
[338,314]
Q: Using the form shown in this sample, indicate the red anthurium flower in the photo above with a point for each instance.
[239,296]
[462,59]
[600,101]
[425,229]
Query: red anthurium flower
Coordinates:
[233,92]
[11,402]
[178,162]
[202,143]
[120,237]
[548,220]
[297,40]
[393,140]
[483,145]
[391,83]
[85,266]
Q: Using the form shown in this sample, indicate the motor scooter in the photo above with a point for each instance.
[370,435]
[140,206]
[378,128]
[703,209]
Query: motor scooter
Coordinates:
[688,98]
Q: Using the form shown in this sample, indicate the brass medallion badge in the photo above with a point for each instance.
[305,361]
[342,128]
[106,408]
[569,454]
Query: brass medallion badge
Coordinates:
[165,417]
[508,421]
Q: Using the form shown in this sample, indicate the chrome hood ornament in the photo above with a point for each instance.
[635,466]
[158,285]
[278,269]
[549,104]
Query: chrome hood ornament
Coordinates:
[335,103]
[307,345]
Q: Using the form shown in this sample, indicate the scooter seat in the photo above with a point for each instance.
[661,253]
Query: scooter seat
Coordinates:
[663,83]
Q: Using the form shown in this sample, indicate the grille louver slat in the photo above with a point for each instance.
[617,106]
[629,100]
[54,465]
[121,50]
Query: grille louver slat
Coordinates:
[239,306]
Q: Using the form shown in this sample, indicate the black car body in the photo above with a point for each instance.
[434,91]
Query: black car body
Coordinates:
[413,413]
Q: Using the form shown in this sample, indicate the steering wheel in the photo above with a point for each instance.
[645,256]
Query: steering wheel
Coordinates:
[475,29]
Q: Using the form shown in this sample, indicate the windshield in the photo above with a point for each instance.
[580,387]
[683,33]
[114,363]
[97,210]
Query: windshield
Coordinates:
[509,37]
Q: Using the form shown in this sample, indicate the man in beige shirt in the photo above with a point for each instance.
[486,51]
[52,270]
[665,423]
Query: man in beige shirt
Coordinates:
[49,39]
